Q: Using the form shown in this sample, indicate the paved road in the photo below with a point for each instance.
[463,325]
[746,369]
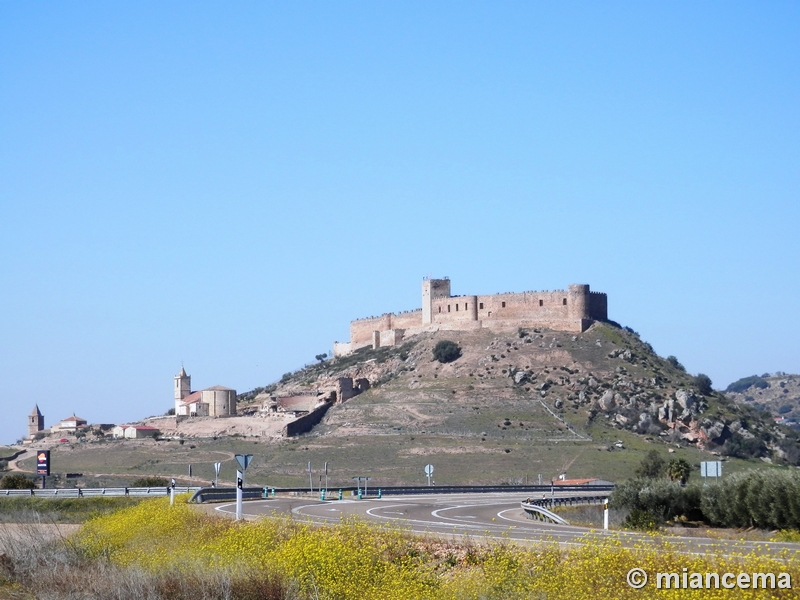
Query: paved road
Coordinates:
[479,516]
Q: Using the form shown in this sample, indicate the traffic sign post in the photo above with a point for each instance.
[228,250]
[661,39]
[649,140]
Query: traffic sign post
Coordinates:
[429,472]
[244,462]
[310,480]
[711,468]
[216,473]
[605,514]
[239,484]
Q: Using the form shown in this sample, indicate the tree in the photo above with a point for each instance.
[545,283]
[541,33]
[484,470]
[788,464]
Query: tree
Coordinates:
[16,481]
[652,465]
[675,363]
[321,357]
[703,384]
[679,470]
[446,351]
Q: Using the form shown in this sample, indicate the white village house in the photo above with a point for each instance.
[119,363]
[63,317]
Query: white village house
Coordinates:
[134,432]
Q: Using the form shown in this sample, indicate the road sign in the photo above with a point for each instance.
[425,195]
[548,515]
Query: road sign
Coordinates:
[43,462]
[244,460]
[429,472]
[711,468]
[216,472]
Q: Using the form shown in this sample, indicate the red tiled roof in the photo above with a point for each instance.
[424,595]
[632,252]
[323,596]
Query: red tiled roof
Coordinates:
[191,398]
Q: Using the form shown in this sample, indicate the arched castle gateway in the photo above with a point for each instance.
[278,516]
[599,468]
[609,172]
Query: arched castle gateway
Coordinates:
[573,309]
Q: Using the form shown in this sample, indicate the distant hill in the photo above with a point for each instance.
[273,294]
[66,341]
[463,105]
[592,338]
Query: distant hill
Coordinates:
[777,394]
[543,386]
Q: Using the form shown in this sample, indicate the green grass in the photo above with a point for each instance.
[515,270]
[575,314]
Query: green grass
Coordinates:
[65,510]
[395,458]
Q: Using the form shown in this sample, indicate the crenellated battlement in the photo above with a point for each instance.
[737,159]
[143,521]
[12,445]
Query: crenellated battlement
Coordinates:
[573,309]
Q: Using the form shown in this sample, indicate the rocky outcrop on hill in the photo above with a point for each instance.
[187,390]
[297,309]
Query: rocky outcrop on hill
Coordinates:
[529,383]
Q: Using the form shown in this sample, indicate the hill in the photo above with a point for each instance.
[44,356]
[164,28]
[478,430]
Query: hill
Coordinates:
[774,395]
[516,405]
[534,388]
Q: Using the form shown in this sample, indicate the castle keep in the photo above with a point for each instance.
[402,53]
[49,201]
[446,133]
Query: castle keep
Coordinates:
[573,309]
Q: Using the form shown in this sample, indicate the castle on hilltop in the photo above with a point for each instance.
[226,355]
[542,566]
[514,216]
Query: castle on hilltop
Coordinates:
[573,309]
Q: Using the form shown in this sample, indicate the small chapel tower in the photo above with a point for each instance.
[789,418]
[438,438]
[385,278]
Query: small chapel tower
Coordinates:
[35,421]
[183,387]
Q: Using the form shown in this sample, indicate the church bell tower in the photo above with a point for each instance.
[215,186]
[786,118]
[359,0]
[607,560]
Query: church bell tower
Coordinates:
[183,387]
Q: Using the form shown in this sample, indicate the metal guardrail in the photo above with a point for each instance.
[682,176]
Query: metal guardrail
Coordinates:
[217,494]
[87,492]
[539,508]
[250,493]
[542,514]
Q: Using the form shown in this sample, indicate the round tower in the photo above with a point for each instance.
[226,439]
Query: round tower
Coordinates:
[578,307]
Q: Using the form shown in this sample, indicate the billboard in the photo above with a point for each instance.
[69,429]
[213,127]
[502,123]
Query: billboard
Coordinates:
[43,462]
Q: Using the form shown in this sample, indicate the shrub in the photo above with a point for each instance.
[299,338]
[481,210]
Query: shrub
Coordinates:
[703,384]
[741,447]
[16,481]
[675,363]
[744,383]
[652,465]
[150,482]
[765,499]
[656,501]
[446,351]
[679,470]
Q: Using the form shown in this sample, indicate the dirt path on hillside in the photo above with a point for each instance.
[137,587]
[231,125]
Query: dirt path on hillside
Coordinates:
[13,466]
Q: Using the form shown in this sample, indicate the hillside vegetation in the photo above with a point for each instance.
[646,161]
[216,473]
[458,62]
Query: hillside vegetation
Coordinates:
[539,385]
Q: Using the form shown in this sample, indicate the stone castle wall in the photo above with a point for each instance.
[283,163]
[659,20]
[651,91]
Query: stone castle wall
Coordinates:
[573,309]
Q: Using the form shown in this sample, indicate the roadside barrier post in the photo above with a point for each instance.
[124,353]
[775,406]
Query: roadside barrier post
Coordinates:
[605,514]
[340,494]
[239,485]
[322,495]
[379,493]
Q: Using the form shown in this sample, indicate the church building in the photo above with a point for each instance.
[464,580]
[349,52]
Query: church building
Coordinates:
[216,401]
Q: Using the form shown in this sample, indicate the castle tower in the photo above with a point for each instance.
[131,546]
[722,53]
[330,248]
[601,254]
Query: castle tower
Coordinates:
[578,307]
[183,387]
[35,421]
[432,289]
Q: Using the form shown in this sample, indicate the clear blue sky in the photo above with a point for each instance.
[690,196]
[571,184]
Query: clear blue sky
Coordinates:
[228,185]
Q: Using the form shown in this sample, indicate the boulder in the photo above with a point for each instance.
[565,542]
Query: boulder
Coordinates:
[686,399]
[606,402]
[713,430]
[644,422]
